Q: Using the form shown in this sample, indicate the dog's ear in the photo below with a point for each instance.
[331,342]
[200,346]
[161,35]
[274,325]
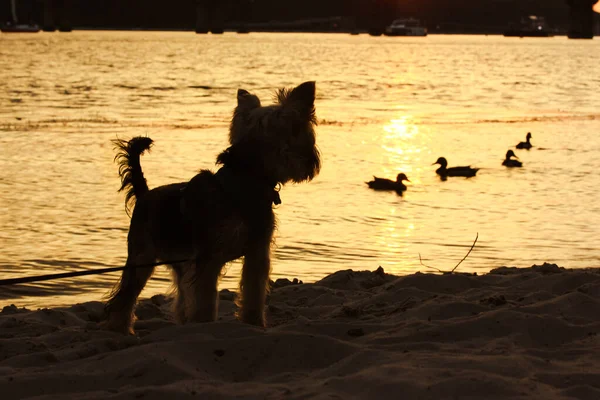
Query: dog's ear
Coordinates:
[304,93]
[247,100]
[241,94]
[301,97]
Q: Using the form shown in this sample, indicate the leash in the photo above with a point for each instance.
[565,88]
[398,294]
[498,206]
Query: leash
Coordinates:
[49,277]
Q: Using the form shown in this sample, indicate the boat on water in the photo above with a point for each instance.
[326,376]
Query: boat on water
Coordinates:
[14,25]
[405,27]
[532,26]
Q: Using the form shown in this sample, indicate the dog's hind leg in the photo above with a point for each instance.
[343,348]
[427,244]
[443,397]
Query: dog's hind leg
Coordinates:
[202,297]
[254,286]
[182,291]
[121,302]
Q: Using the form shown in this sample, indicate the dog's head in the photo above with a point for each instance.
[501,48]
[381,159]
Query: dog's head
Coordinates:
[277,140]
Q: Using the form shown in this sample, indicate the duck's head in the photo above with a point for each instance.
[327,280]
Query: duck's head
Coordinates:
[510,154]
[442,161]
[402,177]
[528,136]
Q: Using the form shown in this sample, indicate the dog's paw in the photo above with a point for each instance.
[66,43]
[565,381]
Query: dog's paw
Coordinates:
[253,318]
[109,325]
[202,315]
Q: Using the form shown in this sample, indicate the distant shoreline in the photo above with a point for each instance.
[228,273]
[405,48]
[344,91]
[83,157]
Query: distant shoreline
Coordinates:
[245,32]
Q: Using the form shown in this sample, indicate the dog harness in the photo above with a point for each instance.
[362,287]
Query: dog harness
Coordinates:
[240,185]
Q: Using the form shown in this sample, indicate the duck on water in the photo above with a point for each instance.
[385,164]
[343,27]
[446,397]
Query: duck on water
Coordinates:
[526,144]
[509,162]
[443,171]
[387,184]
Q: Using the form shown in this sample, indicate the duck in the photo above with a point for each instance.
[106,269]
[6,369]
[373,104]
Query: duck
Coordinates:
[444,172]
[508,162]
[387,184]
[527,144]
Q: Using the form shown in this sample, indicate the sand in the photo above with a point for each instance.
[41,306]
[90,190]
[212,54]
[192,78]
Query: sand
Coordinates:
[512,333]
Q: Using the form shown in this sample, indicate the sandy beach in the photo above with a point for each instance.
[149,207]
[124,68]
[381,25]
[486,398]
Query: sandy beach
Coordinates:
[512,333]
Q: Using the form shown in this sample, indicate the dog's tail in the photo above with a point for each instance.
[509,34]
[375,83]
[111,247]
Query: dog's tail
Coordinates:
[130,170]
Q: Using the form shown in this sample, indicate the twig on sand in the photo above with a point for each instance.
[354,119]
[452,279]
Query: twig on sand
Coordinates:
[453,269]
[473,245]
[428,266]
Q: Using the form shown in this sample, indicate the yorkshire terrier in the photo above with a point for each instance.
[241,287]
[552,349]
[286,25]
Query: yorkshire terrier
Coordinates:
[217,217]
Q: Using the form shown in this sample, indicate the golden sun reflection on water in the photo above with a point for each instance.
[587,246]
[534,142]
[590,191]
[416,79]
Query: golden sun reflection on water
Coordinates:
[393,234]
[402,144]
[389,234]
[401,128]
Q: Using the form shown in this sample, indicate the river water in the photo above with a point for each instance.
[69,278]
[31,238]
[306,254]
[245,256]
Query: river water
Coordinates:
[385,105]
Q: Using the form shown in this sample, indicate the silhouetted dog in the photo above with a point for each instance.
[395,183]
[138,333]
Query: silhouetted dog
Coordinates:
[217,217]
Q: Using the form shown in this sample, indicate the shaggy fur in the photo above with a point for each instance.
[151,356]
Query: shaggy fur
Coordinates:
[217,217]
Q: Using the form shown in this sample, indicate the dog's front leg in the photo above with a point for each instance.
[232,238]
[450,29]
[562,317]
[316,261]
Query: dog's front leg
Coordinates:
[254,285]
